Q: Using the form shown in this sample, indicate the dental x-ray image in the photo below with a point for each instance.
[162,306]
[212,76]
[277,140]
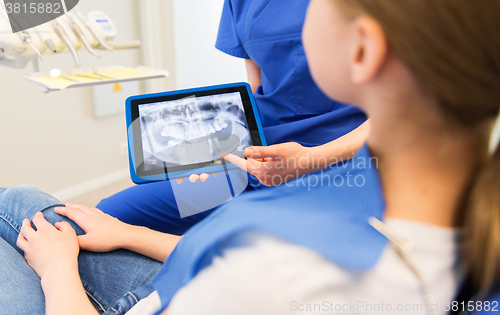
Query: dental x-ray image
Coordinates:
[193,130]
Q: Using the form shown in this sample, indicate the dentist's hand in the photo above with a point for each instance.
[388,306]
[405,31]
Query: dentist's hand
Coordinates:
[103,233]
[50,248]
[277,164]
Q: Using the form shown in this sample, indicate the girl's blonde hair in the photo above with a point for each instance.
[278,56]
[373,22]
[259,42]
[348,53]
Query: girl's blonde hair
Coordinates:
[453,48]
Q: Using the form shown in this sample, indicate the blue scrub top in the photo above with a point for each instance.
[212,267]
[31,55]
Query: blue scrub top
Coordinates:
[292,108]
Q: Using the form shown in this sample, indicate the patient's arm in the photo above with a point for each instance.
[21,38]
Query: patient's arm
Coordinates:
[64,293]
[105,233]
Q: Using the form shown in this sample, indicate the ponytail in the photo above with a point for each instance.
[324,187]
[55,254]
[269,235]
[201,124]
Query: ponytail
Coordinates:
[481,239]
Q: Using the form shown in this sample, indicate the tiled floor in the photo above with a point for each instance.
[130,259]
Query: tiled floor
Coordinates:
[92,198]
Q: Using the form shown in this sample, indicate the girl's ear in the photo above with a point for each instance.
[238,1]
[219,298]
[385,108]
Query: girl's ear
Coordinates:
[368,51]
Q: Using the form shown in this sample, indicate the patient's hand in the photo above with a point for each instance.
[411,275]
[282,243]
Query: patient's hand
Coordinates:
[103,233]
[50,248]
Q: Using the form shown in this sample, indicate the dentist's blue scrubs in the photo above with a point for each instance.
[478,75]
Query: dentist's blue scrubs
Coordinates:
[292,108]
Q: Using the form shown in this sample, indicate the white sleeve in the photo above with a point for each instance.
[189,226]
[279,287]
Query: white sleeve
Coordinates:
[268,277]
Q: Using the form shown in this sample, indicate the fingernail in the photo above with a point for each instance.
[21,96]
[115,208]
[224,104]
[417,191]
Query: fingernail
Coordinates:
[248,152]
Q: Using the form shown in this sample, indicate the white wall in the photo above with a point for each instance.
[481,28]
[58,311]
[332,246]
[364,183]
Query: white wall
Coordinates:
[198,62]
[158,42]
[52,140]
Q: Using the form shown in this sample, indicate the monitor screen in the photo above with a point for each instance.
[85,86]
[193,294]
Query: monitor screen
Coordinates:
[193,130]
[177,133]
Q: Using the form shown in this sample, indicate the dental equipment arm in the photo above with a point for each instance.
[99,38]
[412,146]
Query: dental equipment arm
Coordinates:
[82,37]
[76,31]
[129,44]
[45,39]
[93,30]
[60,31]
[25,36]
[48,42]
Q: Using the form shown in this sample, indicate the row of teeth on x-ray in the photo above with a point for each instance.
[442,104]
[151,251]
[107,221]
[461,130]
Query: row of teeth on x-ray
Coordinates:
[179,132]
[197,150]
[217,126]
[171,127]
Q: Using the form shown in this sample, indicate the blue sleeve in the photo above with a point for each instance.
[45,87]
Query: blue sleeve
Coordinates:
[228,39]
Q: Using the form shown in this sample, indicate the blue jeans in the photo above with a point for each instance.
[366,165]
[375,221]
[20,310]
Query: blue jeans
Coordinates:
[114,281]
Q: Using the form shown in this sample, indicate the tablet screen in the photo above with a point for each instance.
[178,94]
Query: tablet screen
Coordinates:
[190,131]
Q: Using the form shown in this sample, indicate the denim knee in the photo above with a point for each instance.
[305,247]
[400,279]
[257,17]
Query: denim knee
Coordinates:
[24,201]
[16,192]
[19,203]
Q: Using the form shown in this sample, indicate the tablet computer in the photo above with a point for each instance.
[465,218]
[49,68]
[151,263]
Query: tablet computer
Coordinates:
[179,133]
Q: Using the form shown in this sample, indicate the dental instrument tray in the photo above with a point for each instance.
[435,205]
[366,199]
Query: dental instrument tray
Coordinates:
[179,133]
[82,77]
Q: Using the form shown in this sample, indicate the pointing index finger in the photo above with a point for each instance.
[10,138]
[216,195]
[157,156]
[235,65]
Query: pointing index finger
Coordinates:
[263,152]
[250,166]
[236,160]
